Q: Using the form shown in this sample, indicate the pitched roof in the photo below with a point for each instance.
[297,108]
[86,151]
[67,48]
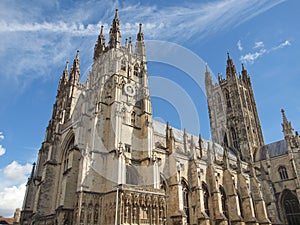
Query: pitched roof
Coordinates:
[275,149]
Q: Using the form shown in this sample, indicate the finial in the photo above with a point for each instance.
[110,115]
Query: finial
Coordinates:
[102,30]
[67,65]
[243,68]
[117,14]
[206,68]
[283,115]
[77,54]
[228,55]
[140,29]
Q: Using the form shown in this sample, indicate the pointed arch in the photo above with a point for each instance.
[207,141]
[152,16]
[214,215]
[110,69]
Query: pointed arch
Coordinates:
[205,198]
[132,175]
[123,64]
[219,102]
[132,119]
[227,98]
[289,204]
[223,201]
[234,138]
[283,173]
[186,193]
[136,70]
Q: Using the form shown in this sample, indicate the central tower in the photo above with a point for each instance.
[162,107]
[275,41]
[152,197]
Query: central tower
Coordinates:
[232,110]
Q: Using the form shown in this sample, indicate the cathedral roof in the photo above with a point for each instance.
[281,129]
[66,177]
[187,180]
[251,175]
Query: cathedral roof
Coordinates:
[274,149]
[160,129]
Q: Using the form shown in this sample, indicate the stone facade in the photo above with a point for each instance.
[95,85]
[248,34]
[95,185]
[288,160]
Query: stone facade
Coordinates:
[105,161]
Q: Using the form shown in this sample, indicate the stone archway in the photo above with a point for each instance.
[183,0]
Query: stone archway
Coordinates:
[291,207]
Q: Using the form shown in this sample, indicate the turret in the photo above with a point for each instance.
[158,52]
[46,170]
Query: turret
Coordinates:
[208,78]
[75,70]
[287,128]
[100,44]
[140,45]
[114,33]
[64,78]
[230,68]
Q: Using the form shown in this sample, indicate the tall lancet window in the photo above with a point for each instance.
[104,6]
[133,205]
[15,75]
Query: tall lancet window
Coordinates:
[123,65]
[136,70]
[227,97]
[283,173]
[132,121]
[205,198]
[224,201]
[234,138]
[185,192]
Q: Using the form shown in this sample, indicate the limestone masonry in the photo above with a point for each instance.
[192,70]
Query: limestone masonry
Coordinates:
[104,159]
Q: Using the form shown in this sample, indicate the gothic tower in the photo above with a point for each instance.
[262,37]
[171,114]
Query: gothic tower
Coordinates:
[232,111]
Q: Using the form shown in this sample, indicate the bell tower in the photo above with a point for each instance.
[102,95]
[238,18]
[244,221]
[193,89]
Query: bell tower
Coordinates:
[232,109]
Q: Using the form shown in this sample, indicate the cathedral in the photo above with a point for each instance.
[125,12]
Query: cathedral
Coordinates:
[104,160]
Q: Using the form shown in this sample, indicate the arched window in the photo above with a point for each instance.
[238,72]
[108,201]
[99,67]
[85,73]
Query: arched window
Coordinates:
[225,140]
[241,205]
[224,201]
[219,102]
[82,214]
[123,65]
[132,175]
[290,204]
[185,192]
[234,138]
[205,198]
[89,214]
[96,213]
[132,121]
[66,163]
[227,97]
[136,70]
[283,173]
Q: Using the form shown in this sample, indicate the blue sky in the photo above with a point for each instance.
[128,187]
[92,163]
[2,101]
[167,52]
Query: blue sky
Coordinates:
[38,37]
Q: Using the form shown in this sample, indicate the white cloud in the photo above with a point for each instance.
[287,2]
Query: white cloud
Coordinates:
[251,57]
[13,179]
[258,44]
[2,150]
[54,37]
[281,45]
[239,45]
[1,136]
[16,172]
[11,198]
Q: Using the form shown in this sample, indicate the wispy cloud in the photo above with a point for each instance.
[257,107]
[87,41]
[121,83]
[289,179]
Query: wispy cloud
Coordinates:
[251,57]
[2,149]
[258,44]
[239,45]
[54,31]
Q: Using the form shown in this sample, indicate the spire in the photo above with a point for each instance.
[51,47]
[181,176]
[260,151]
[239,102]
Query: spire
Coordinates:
[114,33]
[64,77]
[75,70]
[208,78]
[100,45]
[226,158]
[140,45]
[200,141]
[140,35]
[32,171]
[230,69]
[287,128]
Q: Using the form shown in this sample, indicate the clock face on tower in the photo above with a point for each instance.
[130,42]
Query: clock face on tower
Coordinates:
[129,89]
